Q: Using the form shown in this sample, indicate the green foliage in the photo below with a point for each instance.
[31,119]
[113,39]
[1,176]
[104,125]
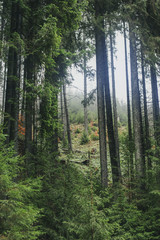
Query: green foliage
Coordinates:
[94,128]
[19,214]
[77,117]
[69,205]
[95,137]
[84,138]
[48,37]
[48,111]
[78,130]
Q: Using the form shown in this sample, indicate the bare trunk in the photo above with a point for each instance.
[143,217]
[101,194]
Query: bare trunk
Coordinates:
[85,97]
[29,104]
[156,117]
[99,35]
[67,120]
[130,163]
[12,88]
[115,116]
[146,122]
[63,117]
[136,108]
[155,102]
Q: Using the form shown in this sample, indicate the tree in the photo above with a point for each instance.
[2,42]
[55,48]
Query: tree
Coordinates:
[12,89]
[100,48]
[115,115]
[67,119]
[146,121]
[130,163]
[85,91]
[136,108]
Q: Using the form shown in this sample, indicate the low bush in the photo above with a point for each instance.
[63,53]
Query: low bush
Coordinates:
[84,139]
[77,131]
[95,136]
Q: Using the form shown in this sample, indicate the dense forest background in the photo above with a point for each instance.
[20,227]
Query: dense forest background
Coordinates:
[83,166]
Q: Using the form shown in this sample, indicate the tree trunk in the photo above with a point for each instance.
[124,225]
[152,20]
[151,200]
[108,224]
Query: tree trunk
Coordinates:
[29,104]
[67,119]
[12,88]
[85,97]
[111,136]
[155,102]
[130,147]
[1,61]
[146,122]
[136,109]
[4,89]
[156,117]
[115,116]
[63,117]
[99,36]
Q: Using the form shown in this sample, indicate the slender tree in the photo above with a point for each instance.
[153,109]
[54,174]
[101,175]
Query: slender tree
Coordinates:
[155,101]
[115,115]
[12,88]
[130,163]
[67,119]
[146,121]
[136,109]
[85,94]
[99,36]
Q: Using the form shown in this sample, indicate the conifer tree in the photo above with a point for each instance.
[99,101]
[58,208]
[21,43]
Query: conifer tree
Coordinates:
[100,48]
[136,108]
[130,164]
[13,82]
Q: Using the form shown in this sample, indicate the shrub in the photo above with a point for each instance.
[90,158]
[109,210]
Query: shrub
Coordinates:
[94,128]
[19,213]
[84,139]
[89,130]
[95,136]
[95,124]
[77,130]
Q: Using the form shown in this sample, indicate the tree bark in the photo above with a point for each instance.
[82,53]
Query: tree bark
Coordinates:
[111,136]
[156,117]
[12,88]
[136,109]
[67,120]
[115,115]
[85,96]
[130,163]
[146,121]
[99,36]
[29,104]
[155,103]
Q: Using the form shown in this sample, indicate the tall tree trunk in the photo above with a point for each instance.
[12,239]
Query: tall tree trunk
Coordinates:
[61,103]
[155,102]
[1,61]
[146,121]
[63,117]
[67,119]
[136,109]
[12,88]
[4,88]
[29,104]
[156,117]
[111,136]
[130,163]
[115,116]
[85,97]
[99,36]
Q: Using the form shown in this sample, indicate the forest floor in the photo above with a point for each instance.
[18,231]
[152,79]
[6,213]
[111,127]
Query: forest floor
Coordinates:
[87,154]
[83,153]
